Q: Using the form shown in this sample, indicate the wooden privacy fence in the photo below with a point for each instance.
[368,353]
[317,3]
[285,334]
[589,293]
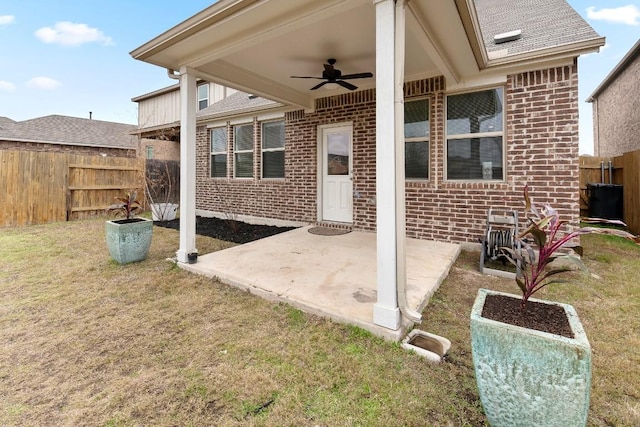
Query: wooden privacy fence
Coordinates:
[40,187]
[620,170]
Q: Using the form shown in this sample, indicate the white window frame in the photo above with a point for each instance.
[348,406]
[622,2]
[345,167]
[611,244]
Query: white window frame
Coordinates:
[149,151]
[269,150]
[478,135]
[426,139]
[205,98]
[236,151]
[218,153]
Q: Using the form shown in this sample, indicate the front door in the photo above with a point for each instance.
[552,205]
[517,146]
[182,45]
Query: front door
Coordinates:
[337,178]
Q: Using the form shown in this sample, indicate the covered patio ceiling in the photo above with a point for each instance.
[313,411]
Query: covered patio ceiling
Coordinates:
[256,45]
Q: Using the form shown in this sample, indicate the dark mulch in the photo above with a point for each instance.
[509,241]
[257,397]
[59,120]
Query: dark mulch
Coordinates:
[227,230]
[538,316]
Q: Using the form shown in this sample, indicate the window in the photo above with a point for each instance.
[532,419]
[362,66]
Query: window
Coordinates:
[273,149]
[475,138]
[416,139]
[219,152]
[203,96]
[149,149]
[243,149]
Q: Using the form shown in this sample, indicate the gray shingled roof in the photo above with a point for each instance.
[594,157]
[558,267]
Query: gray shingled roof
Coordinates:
[544,24]
[66,130]
[237,103]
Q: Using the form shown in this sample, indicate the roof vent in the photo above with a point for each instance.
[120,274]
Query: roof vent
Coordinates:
[507,37]
[252,96]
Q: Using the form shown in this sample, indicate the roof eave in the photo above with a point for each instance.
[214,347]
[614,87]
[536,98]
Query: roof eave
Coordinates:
[274,108]
[217,12]
[157,92]
[557,52]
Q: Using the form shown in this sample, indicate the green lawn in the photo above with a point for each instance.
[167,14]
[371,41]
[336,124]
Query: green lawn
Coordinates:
[85,341]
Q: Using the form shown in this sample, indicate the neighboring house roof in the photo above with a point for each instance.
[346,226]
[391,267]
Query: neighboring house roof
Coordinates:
[628,59]
[66,130]
[5,121]
[545,24]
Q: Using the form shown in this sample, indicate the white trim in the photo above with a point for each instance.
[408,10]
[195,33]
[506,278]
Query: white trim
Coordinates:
[266,117]
[241,121]
[217,124]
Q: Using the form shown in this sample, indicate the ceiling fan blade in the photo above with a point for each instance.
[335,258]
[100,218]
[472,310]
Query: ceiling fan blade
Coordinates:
[305,77]
[319,85]
[346,85]
[357,76]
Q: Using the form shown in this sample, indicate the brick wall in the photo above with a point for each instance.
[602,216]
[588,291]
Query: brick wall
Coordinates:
[541,139]
[64,148]
[162,149]
[616,114]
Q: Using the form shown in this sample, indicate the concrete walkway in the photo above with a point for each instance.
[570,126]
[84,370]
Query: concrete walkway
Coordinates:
[331,276]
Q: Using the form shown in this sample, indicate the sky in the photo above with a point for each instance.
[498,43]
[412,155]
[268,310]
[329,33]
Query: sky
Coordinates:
[71,57]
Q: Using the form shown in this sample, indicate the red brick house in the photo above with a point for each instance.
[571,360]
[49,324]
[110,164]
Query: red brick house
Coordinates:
[468,101]
[616,108]
[69,134]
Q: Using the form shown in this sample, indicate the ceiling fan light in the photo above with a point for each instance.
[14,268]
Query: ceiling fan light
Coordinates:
[331,86]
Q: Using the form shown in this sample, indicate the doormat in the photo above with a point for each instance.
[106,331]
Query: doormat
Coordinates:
[328,231]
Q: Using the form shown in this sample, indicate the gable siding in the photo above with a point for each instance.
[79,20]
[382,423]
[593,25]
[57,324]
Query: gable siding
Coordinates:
[541,140]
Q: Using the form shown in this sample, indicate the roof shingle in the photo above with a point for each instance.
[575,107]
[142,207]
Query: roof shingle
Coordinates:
[55,129]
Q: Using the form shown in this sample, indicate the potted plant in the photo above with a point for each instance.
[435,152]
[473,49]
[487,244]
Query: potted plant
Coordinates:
[129,238]
[160,184]
[532,358]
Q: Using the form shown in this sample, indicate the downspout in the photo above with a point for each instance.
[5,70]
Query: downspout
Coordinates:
[401,275]
[172,74]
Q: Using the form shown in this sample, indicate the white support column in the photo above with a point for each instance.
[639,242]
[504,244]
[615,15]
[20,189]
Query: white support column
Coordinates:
[187,165]
[386,312]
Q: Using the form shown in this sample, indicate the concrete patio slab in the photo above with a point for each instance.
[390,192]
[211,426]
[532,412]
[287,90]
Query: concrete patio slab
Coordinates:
[331,276]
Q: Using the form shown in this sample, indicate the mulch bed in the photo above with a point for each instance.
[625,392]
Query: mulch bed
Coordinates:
[228,230]
[538,316]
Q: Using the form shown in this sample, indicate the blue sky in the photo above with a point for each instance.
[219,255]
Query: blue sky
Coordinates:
[70,57]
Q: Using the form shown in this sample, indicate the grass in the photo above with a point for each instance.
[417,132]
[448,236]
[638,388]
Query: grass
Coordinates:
[85,341]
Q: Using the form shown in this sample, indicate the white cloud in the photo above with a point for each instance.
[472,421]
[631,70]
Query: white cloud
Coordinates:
[71,34]
[7,19]
[45,83]
[7,86]
[629,15]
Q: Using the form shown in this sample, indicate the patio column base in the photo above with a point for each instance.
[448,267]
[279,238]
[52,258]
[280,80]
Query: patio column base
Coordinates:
[386,317]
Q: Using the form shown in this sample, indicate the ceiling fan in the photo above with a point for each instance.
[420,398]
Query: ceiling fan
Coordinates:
[333,75]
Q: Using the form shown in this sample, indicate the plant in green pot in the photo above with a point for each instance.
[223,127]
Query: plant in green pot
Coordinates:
[532,358]
[129,238]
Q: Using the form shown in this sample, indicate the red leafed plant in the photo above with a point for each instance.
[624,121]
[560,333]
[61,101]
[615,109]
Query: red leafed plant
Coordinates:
[128,205]
[556,251]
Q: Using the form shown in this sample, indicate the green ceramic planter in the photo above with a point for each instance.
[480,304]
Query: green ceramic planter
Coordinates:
[527,377]
[129,240]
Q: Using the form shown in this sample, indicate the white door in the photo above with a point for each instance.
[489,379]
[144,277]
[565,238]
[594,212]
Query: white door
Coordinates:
[337,179]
